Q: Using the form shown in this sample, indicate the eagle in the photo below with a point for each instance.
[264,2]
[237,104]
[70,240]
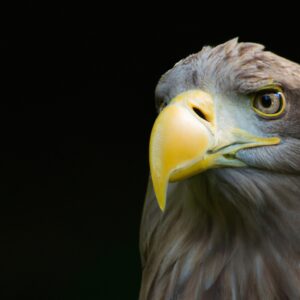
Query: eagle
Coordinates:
[221,218]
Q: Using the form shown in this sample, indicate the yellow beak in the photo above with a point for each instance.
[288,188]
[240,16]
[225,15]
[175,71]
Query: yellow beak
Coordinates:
[183,141]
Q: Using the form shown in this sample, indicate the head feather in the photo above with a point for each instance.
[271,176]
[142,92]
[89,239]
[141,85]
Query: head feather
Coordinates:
[229,233]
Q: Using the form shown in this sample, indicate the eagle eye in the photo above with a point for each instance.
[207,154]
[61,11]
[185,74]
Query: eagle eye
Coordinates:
[269,104]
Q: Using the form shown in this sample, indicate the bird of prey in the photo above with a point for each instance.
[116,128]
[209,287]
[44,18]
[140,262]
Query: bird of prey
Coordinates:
[221,218]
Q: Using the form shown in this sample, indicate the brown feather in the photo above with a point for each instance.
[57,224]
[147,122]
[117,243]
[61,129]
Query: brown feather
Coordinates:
[229,233]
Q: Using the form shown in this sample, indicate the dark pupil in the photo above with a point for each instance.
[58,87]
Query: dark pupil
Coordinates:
[266,101]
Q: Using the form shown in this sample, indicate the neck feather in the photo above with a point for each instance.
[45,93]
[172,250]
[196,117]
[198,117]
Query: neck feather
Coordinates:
[225,234]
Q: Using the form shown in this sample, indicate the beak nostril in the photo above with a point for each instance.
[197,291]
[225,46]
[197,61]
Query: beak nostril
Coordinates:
[199,113]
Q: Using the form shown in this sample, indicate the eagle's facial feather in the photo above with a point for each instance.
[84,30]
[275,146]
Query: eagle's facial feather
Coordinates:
[233,71]
[230,233]
[241,68]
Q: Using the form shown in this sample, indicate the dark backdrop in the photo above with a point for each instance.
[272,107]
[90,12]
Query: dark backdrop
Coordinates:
[76,113]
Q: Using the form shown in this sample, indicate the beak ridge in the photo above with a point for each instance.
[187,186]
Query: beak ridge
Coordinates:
[179,138]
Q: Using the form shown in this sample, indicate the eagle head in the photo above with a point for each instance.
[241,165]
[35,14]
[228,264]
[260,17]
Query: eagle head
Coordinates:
[224,162]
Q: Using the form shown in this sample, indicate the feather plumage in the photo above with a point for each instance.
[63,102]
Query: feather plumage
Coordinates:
[230,233]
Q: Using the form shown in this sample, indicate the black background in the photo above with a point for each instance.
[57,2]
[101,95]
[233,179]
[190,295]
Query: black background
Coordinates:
[76,113]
